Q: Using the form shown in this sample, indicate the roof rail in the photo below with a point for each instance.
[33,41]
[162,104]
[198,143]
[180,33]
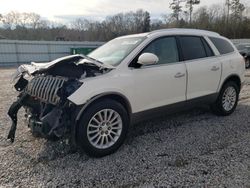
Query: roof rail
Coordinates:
[186,30]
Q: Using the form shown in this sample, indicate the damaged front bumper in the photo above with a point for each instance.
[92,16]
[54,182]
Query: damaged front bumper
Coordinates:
[44,89]
[45,100]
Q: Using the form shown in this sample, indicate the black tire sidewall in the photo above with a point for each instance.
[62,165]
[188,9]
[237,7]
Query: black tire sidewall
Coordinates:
[219,105]
[248,60]
[82,125]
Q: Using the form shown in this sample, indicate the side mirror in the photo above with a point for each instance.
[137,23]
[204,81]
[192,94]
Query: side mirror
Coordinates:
[147,59]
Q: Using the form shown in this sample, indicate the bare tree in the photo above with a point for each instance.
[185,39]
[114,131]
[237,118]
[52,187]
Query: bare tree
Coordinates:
[10,20]
[80,24]
[175,5]
[237,9]
[30,26]
[202,18]
[189,5]
[25,20]
[141,21]
[35,20]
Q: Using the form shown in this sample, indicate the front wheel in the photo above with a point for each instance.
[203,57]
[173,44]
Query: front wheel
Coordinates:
[227,99]
[102,128]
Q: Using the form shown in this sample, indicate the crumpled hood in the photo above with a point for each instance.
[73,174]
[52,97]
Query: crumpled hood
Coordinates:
[34,67]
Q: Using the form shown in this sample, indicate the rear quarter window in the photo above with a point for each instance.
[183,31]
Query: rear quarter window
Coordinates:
[223,46]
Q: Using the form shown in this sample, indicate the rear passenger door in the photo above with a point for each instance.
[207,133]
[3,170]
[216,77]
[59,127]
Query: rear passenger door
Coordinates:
[203,68]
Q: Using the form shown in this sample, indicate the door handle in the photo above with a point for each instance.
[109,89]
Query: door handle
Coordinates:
[179,75]
[215,68]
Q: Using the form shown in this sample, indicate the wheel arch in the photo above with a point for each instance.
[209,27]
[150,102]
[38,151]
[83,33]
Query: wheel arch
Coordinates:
[235,78]
[109,95]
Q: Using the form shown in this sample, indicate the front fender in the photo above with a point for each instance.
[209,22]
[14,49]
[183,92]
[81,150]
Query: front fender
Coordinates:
[83,94]
[106,84]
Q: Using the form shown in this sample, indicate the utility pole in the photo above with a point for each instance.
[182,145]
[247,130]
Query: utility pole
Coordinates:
[228,4]
[189,5]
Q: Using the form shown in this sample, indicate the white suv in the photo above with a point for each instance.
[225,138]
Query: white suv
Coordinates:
[93,99]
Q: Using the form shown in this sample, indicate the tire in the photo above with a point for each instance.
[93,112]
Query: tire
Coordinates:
[247,63]
[98,138]
[220,106]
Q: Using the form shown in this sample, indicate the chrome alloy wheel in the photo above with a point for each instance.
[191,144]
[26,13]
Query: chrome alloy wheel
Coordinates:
[104,128]
[229,98]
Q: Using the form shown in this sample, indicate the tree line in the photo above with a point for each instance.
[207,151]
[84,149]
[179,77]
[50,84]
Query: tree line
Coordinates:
[229,19]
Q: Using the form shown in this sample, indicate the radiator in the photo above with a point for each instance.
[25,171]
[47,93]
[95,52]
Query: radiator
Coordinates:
[45,88]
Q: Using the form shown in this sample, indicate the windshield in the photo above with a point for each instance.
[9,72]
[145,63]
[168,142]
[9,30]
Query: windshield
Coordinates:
[116,50]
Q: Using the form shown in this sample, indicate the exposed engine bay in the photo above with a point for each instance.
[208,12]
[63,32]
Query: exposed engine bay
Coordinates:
[43,91]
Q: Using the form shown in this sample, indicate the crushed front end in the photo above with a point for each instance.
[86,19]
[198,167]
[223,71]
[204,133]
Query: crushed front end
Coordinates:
[44,92]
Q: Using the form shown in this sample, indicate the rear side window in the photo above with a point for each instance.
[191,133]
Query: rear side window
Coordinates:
[192,48]
[222,45]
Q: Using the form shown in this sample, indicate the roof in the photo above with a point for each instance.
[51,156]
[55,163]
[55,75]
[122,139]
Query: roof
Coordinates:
[175,31]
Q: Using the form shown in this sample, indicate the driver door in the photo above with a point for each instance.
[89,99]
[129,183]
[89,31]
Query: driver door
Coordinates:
[163,83]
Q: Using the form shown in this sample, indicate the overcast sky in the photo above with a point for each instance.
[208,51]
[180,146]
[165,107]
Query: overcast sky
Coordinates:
[61,10]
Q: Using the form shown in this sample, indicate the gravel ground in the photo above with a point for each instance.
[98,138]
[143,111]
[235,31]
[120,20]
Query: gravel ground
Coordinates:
[192,149]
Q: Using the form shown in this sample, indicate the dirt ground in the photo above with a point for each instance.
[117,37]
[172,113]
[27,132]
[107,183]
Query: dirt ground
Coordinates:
[192,149]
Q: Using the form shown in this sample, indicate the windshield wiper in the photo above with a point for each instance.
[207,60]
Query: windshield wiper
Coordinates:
[92,59]
[97,62]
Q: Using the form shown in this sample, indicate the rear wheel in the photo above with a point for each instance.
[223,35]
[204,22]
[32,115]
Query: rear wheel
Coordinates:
[227,99]
[248,63]
[102,128]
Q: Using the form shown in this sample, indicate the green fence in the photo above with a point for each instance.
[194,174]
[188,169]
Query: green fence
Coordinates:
[83,51]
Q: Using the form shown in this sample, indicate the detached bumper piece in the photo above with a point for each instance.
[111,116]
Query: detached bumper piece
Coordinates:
[13,110]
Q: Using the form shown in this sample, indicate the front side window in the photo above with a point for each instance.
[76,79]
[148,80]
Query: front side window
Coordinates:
[165,49]
[192,47]
[222,45]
